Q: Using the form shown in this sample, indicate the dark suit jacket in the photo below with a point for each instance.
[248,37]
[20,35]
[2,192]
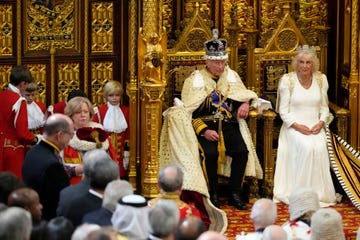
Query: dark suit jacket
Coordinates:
[69,193]
[100,217]
[81,205]
[43,172]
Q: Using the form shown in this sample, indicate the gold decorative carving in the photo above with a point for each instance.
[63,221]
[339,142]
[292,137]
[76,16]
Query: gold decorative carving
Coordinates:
[101,72]
[236,14]
[151,13]
[102,27]
[151,96]
[152,54]
[5,71]
[287,40]
[51,22]
[6,29]
[68,79]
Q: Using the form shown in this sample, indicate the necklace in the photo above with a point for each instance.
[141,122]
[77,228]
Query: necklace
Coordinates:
[304,83]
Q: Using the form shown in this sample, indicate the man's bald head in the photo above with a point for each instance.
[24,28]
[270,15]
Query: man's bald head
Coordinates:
[59,129]
[57,122]
[211,235]
[190,227]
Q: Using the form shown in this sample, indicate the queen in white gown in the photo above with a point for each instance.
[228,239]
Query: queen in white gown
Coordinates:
[302,156]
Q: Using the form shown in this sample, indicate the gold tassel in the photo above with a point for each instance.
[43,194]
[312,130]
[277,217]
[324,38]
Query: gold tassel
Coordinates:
[95,135]
[221,148]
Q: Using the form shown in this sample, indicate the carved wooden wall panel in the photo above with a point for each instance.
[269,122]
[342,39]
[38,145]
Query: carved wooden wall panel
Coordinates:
[67,44]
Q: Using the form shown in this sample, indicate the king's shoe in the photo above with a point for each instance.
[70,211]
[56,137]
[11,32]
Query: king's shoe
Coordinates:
[235,201]
[215,199]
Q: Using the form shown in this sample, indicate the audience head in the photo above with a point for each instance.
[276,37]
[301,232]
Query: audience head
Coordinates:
[131,217]
[211,235]
[59,228]
[104,233]
[170,178]
[82,231]
[3,206]
[8,183]
[326,224]
[104,171]
[274,232]
[190,228]
[80,110]
[15,224]
[20,76]
[90,158]
[38,231]
[114,191]
[303,202]
[163,218]
[263,213]
[59,129]
[28,199]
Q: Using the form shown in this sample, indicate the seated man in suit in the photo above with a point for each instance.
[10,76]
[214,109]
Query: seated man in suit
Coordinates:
[114,191]
[104,171]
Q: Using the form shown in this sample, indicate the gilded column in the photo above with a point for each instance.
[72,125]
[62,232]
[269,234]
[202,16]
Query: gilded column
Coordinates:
[132,91]
[251,33]
[233,30]
[354,88]
[269,162]
[152,48]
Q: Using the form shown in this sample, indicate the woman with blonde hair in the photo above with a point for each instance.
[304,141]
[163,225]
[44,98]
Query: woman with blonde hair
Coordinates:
[88,135]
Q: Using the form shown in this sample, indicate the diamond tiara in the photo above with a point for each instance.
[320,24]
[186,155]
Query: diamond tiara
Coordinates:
[306,49]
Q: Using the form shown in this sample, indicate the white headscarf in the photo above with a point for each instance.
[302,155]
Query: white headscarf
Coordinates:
[131,217]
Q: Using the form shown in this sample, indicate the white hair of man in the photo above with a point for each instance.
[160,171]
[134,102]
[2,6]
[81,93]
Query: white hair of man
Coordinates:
[274,232]
[164,218]
[83,230]
[15,224]
[263,213]
[90,158]
[114,191]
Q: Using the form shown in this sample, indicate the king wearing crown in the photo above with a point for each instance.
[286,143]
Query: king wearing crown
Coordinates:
[215,103]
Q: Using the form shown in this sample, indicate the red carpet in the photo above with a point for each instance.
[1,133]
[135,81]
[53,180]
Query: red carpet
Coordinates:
[240,220]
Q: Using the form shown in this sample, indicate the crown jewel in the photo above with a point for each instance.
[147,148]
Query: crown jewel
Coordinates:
[215,47]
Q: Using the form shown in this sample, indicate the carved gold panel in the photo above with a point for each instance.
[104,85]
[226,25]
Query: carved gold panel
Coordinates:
[6,30]
[102,27]
[68,79]
[101,72]
[51,22]
[5,75]
[236,14]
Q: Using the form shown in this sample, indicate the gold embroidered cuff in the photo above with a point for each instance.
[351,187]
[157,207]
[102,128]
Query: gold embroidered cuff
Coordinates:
[198,125]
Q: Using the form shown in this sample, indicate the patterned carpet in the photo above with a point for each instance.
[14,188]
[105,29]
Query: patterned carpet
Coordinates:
[240,220]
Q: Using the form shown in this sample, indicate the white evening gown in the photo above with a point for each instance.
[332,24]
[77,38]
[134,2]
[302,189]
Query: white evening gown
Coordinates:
[303,160]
